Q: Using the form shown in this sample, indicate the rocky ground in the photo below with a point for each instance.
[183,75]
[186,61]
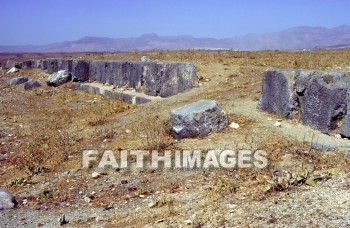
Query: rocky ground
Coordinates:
[44,130]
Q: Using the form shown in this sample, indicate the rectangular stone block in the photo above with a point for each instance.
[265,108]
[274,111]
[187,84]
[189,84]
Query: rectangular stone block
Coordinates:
[318,98]
[277,95]
[54,65]
[80,70]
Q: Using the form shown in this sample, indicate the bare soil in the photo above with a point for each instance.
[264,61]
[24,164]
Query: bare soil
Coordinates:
[44,131]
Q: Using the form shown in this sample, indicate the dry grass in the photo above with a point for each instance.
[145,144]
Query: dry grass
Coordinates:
[49,128]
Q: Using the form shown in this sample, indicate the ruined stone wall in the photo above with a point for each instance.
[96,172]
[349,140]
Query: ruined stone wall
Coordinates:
[152,78]
[320,99]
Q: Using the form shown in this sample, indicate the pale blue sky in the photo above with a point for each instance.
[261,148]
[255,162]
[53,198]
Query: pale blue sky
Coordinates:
[48,21]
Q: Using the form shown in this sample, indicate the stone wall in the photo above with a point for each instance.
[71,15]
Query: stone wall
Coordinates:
[319,99]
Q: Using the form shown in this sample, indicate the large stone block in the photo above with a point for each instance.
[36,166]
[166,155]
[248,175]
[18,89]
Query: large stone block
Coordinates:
[197,119]
[54,65]
[58,78]
[323,103]
[345,127]
[317,97]
[178,78]
[10,64]
[277,94]
[28,64]
[81,70]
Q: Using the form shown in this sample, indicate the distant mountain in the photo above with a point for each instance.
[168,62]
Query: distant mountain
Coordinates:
[294,38]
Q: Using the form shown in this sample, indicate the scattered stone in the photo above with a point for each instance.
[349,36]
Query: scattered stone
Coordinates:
[277,124]
[7,200]
[188,222]
[31,84]
[159,221]
[338,136]
[128,131]
[152,204]
[62,220]
[66,172]
[145,59]
[231,206]
[95,175]
[234,125]
[13,70]
[87,199]
[17,80]
[124,181]
[197,119]
[58,78]
[189,186]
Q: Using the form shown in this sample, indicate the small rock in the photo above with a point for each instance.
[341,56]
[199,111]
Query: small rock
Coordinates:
[188,222]
[234,125]
[124,181]
[7,200]
[152,204]
[66,172]
[99,218]
[189,186]
[277,124]
[31,84]
[231,206]
[338,136]
[95,175]
[145,59]
[13,70]
[277,173]
[128,131]
[87,199]
[159,221]
[269,119]
[62,220]
[17,80]
[348,156]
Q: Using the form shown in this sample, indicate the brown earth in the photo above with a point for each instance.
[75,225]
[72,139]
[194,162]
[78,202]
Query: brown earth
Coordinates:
[44,131]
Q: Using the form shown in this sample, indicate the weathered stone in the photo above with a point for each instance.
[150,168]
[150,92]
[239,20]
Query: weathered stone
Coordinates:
[7,200]
[28,64]
[324,102]
[13,70]
[145,59]
[178,78]
[37,63]
[10,63]
[31,84]
[54,65]
[17,80]
[59,78]
[128,96]
[44,64]
[277,92]
[197,119]
[80,70]
[317,97]
[345,127]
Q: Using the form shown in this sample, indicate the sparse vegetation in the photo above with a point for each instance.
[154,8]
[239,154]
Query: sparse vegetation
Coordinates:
[43,133]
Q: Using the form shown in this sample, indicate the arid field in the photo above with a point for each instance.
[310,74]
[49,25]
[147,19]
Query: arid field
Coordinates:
[44,131]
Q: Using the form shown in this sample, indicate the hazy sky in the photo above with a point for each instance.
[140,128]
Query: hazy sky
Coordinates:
[48,21]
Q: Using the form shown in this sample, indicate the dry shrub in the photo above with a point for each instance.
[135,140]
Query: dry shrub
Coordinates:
[154,134]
